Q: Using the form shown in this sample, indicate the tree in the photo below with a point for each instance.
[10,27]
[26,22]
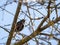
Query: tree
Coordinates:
[42,21]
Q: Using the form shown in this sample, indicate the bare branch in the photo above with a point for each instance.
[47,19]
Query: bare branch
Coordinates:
[14,22]
[38,30]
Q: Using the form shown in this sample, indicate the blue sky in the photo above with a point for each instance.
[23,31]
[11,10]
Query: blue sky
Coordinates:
[7,18]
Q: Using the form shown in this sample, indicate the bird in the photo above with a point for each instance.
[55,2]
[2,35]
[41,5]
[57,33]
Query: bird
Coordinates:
[20,25]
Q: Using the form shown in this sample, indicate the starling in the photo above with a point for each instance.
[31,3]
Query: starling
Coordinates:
[20,25]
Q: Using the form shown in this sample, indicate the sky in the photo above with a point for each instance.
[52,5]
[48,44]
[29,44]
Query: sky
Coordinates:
[7,18]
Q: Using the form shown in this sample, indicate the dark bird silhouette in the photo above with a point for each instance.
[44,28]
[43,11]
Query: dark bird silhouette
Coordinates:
[20,25]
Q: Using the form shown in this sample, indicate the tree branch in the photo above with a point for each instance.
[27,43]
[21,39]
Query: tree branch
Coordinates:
[14,22]
[37,32]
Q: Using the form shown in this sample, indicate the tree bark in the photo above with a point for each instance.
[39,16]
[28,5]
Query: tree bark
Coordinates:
[14,23]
